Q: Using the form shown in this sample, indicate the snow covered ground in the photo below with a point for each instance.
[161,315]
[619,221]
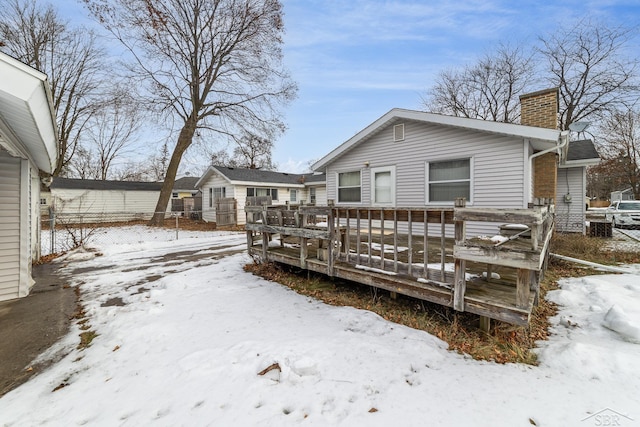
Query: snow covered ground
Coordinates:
[183,332]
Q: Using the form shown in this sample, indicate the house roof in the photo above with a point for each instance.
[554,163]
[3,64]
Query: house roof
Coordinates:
[541,138]
[581,153]
[260,177]
[187,183]
[27,122]
[582,150]
[94,184]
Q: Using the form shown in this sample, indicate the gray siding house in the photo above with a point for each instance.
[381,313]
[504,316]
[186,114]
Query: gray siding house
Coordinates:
[28,145]
[411,158]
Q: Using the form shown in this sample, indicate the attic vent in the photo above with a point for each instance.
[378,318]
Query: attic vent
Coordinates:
[398,132]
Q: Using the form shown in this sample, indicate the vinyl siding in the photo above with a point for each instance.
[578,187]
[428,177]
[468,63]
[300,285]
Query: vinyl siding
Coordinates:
[499,164]
[570,217]
[10,254]
[92,202]
[214,181]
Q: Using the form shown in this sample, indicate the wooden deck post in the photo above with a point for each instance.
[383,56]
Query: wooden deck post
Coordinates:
[522,288]
[332,238]
[485,324]
[265,236]
[460,284]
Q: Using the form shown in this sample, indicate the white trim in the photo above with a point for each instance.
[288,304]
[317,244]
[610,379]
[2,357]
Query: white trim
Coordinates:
[427,201]
[542,138]
[32,119]
[399,128]
[372,180]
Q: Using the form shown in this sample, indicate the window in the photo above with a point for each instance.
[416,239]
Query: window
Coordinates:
[43,201]
[219,192]
[383,182]
[349,187]
[210,197]
[293,196]
[398,132]
[312,195]
[174,195]
[448,180]
[262,192]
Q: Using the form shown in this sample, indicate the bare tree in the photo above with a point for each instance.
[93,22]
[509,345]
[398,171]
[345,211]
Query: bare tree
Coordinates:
[253,152]
[35,34]
[487,90]
[212,64]
[112,129]
[83,165]
[589,64]
[621,135]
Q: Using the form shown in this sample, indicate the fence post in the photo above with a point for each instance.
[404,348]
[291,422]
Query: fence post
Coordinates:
[460,284]
[52,228]
[177,226]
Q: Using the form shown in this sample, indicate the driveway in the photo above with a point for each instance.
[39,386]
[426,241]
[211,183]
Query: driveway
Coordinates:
[30,325]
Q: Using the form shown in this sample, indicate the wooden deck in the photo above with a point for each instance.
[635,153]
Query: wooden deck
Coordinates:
[388,248]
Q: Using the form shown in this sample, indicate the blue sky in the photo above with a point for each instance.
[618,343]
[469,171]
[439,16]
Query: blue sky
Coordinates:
[354,60]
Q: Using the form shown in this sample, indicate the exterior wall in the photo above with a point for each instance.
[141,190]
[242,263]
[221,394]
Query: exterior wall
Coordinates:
[540,109]
[570,217]
[321,195]
[19,225]
[9,226]
[499,166]
[208,212]
[129,204]
[545,176]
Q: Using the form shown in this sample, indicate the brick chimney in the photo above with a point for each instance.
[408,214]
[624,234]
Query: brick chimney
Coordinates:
[541,109]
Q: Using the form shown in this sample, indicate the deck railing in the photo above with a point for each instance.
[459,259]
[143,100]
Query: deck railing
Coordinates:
[409,243]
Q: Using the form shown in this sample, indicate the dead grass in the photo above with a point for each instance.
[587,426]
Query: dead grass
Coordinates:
[594,249]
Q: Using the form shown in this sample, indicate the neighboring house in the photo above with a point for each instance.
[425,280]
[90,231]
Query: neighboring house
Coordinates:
[28,145]
[220,182]
[412,158]
[626,194]
[100,201]
[185,187]
[186,198]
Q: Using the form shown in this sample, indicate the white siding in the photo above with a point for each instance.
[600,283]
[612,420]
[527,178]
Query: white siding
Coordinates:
[72,201]
[10,254]
[498,175]
[570,217]
[214,181]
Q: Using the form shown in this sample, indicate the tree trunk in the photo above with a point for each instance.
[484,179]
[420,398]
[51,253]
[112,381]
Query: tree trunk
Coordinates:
[184,141]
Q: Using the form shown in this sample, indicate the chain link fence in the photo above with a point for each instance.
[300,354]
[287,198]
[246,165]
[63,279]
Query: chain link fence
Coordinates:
[63,232]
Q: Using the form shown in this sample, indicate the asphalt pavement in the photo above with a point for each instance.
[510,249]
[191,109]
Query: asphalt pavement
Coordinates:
[30,325]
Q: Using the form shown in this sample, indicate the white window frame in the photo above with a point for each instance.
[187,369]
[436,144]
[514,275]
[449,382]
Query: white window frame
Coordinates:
[270,191]
[293,195]
[338,187]
[372,180]
[210,197]
[221,190]
[313,195]
[398,132]
[426,181]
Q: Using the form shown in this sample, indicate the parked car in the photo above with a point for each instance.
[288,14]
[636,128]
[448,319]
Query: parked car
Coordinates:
[624,213]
